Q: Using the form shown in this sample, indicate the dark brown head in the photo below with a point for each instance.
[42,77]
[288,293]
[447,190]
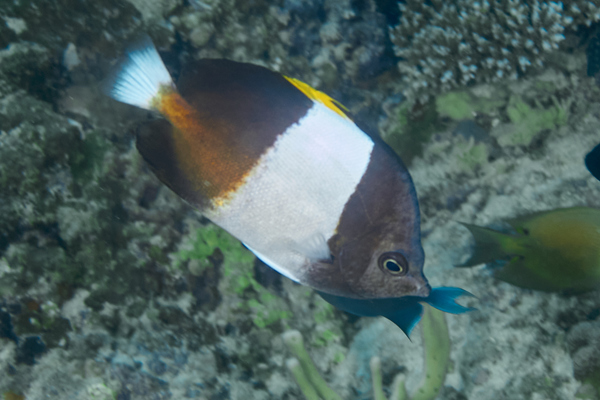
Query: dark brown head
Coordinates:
[382,264]
[376,252]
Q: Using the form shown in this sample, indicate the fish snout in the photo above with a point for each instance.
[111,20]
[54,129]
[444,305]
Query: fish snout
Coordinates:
[423,290]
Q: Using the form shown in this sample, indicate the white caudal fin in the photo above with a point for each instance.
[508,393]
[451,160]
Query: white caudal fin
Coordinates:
[139,77]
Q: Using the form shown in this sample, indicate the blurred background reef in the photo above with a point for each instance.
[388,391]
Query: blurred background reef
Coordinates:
[112,288]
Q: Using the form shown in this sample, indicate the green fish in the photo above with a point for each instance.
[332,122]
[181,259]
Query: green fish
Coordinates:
[557,250]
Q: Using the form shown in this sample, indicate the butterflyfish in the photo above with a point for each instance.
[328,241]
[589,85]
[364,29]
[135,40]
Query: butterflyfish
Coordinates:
[283,168]
[557,250]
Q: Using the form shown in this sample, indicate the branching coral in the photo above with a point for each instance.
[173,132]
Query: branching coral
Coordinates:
[445,44]
[437,356]
[304,370]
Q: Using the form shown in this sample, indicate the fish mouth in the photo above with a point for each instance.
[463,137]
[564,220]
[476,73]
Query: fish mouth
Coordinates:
[423,290]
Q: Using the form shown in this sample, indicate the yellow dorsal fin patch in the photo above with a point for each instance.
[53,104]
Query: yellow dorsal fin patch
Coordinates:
[319,96]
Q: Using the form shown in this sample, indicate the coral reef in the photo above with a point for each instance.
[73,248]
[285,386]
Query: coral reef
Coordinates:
[528,121]
[55,25]
[238,274]
[514,180]
[92,248]
[302,367]
[112,287]
[584,344]
[461,105]
[437,355]
[436,343]
[447,44]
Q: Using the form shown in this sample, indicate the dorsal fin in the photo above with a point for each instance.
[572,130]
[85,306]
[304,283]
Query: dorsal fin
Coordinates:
[319,96]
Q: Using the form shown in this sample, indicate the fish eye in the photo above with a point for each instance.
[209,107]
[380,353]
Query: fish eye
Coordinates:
[393,263]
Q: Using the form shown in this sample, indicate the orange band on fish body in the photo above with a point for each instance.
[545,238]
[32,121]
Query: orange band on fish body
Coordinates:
[215,168]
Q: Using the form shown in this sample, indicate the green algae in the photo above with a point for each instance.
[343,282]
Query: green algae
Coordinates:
[207,240]
[528,122]
[461,105]
[472,155]
[411,128]
[266,308]
[87,156]
[100,391]
[324,312]
[455,105]
[326,337]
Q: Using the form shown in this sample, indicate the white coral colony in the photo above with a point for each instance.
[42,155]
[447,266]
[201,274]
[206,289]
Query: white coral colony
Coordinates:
[444,44]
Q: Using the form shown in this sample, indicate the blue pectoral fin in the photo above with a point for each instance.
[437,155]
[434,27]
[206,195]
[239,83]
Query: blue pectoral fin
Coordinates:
[444,299]
[405,311]
[406,317]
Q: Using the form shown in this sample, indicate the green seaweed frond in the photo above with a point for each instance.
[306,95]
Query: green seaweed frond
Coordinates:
[436,341]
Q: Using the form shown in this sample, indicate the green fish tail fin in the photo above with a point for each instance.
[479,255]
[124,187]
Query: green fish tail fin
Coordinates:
[489,245]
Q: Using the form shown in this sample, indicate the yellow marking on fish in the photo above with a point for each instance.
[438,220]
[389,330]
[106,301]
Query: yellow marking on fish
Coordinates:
[319,96]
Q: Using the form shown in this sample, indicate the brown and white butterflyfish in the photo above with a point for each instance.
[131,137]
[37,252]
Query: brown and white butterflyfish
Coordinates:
[283,168]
